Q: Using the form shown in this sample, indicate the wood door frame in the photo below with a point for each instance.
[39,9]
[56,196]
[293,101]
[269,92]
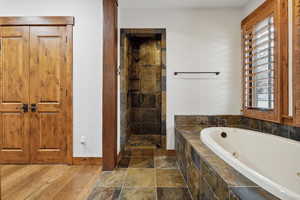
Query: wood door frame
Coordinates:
[68,22]
[110,85]
[37,21]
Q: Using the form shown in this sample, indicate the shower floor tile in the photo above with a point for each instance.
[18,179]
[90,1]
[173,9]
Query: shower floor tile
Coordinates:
[139,153]
[144,141]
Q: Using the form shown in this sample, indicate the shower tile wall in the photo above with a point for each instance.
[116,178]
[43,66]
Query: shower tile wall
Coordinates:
[145,86]
[125,98]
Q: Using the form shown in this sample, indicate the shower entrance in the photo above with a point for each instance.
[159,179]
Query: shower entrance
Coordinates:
[143,88]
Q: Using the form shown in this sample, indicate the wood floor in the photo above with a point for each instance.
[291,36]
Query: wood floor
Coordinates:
[40,182]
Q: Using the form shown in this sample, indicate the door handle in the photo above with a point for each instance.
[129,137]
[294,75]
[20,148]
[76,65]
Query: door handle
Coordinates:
[33,108]
[25,108]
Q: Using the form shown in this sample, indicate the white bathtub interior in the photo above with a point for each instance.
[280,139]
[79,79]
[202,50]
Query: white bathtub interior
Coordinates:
[270,161]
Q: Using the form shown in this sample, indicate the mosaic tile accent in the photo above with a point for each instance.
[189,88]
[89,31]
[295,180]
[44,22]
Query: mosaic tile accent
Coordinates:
[209,177]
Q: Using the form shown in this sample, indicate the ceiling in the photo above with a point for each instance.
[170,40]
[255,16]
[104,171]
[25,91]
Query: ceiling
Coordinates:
[181,3]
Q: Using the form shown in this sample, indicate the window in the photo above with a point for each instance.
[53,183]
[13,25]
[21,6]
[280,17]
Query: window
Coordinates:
[259,65]
[264,56]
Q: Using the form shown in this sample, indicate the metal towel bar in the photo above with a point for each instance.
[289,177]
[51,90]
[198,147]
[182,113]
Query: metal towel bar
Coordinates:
[217,73]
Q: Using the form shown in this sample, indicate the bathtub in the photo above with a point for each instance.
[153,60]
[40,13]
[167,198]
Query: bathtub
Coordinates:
[272,162]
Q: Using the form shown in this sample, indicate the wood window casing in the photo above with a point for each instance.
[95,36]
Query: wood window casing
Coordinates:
[277,9]
[296,62]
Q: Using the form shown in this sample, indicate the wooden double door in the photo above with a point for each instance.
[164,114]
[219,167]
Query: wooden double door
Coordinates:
[33,94]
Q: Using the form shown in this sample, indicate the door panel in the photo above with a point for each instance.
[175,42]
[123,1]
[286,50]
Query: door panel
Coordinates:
[14,92]
[12,130]
[48,93]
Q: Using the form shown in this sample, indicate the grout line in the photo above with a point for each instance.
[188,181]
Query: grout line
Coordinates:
[140,187]
[244,186]
[187,186]
[151,187]
[123,183]
[156,183]
[155,175]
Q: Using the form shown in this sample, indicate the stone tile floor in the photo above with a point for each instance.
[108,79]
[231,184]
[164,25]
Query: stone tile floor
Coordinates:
[142,174]
[143,141]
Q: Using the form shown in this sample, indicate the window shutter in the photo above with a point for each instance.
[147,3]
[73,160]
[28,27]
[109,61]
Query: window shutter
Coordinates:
[259,61]
[264,48]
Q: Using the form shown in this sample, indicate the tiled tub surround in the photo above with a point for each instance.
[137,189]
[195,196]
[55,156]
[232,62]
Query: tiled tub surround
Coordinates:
[208,176]
[238,121]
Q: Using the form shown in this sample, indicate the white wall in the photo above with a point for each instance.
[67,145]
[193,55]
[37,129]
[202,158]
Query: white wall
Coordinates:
[197,40]
[251,6]
[87,62]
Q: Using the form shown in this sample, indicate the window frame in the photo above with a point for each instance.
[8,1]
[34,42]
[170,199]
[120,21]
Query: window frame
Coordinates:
[295,120]
[277,9]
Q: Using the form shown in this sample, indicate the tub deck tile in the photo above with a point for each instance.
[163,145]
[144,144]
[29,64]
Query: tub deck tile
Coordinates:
[250,193]
[220,180]
[225,171]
